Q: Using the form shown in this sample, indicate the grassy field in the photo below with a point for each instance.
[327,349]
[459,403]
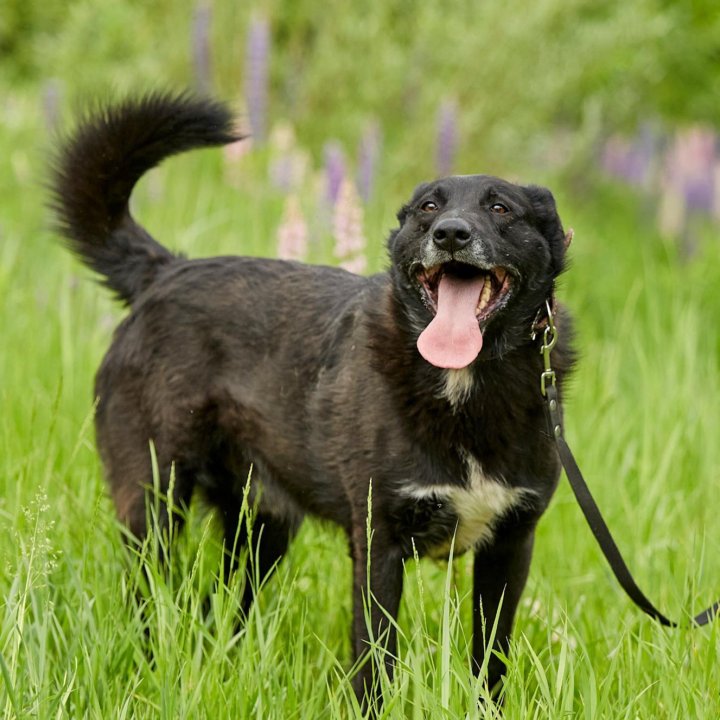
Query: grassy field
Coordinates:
[643,417]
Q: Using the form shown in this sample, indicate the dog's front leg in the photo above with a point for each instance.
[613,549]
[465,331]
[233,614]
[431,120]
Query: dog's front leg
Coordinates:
[377,587]
[500,573]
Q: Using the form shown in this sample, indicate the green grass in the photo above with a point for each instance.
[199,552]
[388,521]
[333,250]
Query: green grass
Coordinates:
[642,416]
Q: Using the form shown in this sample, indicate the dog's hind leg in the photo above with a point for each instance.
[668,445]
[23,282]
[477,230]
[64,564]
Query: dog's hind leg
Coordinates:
[258,511]
[148,481]
[156,496]
[250,526]
[268,542]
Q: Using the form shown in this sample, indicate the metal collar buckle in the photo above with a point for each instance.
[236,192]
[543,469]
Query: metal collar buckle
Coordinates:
[550,338]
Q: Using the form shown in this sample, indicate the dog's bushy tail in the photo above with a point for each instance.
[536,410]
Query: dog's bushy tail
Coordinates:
[95,170]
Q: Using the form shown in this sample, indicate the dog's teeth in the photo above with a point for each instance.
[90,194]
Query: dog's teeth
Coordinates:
[485,295]
[500,274]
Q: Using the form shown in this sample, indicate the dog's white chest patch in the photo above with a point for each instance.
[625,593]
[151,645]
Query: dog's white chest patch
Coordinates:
[479,504]
[457,386]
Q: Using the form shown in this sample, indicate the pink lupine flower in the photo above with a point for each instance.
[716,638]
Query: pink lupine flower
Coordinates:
[233,155]
[293,231]
[357,265]
[288,163]
[347,223]
[234,152]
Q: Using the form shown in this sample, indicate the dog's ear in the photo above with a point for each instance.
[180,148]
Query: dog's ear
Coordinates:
[548,223]
[391,238]
[419,191]
[402,213]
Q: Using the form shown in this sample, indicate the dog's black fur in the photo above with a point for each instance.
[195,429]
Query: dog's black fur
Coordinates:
[311,375]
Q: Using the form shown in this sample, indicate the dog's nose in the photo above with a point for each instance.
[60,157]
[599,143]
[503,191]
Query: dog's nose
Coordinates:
[452,234]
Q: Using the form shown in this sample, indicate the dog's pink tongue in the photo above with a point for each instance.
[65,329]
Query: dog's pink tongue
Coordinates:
[453,338]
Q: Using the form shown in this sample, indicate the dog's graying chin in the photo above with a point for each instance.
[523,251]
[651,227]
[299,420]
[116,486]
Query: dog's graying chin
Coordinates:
[422,381]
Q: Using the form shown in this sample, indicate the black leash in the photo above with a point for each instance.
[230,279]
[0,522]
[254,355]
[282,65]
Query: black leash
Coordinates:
[582,492]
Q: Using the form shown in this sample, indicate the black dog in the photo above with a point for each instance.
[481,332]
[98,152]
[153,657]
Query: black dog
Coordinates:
[418,387]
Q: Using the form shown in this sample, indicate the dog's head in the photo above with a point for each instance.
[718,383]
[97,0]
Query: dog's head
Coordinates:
[474,260]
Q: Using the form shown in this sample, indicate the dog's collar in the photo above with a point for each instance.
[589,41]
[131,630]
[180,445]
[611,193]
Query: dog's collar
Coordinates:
[542,317]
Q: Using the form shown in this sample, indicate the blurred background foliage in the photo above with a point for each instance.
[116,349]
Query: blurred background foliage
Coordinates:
[613,105]
[520,72]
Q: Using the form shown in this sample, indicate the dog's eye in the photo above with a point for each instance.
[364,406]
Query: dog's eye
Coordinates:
[429,206]
[499,209]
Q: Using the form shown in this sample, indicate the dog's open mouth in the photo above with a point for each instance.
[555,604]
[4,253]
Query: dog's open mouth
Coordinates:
[494,290]
[463,298]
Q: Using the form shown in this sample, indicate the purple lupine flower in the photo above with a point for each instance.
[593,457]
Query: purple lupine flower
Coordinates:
[696,147]
[334,171]
[368,155]
[201,47]
[611,155]
[634,165]
[608,155]
[293,231]
[447,138]
[51,97]
[716,190]
[621,160]
[631,160]
[257,75]
[649,147]
[283,157]
[350,242]
[671,165]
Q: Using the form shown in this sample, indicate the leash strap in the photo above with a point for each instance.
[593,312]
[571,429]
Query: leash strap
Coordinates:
[585,499]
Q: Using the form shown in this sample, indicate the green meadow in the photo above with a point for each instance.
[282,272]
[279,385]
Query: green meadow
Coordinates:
[88,630]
